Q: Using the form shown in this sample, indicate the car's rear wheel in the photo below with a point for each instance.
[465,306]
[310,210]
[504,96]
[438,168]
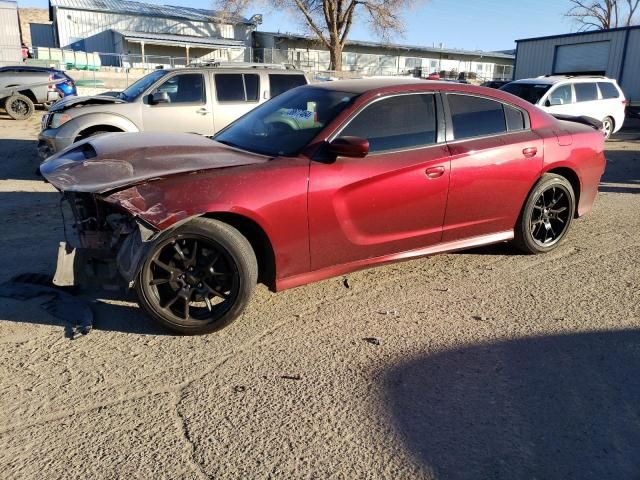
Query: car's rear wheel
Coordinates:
[19,107]
[198,278]
[546,215]
[608,125]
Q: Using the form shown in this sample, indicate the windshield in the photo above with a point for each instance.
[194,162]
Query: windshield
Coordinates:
[284,125]
[136,89]
[531,92]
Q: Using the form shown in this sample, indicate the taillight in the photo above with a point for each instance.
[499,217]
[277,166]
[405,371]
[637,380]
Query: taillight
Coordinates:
[625,102]
[51,86]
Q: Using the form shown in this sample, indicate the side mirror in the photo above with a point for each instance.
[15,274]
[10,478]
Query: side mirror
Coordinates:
[353,147]
[159,97]
[553,101]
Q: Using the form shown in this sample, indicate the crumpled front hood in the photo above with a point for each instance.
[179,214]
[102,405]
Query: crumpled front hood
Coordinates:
[112,161]
[69,102]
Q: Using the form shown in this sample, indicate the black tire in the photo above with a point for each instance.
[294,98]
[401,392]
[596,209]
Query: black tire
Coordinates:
[192,266]
[546,216]
[608,125]
[19,107]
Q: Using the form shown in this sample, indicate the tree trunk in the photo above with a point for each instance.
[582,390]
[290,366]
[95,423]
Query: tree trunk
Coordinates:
[335,54]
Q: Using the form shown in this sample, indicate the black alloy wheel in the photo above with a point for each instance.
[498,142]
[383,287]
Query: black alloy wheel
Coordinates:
[546,215]
[199,278]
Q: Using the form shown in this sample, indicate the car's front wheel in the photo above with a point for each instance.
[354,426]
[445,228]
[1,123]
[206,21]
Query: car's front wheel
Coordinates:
[546,215]
[198,278]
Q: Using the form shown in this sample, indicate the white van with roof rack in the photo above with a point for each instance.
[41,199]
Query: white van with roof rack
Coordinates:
[577,96]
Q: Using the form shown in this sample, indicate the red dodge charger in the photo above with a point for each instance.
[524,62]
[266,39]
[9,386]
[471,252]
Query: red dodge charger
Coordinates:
[319,181]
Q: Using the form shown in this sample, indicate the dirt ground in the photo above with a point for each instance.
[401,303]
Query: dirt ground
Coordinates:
[483,364]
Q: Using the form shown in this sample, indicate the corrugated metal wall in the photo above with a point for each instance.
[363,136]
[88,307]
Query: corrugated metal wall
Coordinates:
[76,27]
[536,57]
[10,51]
[630,80]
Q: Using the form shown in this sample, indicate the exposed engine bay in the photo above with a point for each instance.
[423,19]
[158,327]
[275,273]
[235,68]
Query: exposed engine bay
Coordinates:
[103,244]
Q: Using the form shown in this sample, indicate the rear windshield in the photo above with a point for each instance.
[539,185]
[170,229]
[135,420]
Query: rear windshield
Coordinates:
[531,92]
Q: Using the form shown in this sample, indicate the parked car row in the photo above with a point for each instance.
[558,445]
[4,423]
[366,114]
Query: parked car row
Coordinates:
[316,182]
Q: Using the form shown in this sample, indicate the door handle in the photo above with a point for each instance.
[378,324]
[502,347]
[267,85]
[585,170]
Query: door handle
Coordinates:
[530,152]
[203,111]
[434,172]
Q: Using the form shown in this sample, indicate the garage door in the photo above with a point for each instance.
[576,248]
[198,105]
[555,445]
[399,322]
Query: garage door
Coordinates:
[582,58]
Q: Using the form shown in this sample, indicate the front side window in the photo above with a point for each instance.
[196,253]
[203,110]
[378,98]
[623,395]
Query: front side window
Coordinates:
[185,88]
[237,87]
[281,83]
[561,95]
[586,92]
[608,90]
[284,125]
[396,123]
[475,116]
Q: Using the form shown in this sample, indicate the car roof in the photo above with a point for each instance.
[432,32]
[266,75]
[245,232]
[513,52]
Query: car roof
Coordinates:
[195,68]
[553,79]
[362,85]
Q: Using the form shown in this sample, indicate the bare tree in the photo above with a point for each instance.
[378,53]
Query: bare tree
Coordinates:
[331,20]
[603,14]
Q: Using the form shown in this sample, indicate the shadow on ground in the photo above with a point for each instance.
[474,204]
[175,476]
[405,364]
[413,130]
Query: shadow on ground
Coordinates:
[622,174]
[552,407]
[11,149]
[111,317]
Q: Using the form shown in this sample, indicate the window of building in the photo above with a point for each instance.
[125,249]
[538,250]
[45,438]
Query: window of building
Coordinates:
[396,123]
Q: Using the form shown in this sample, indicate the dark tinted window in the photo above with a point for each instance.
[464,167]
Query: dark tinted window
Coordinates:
[229,87]
[608,90]
[281,83]
[475,116]
[514,117]
[187,88]
[394,123]
[585,92]
[530,92]
[252,85]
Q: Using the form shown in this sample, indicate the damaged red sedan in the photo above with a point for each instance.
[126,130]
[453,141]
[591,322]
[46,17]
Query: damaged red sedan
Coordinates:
[319,181]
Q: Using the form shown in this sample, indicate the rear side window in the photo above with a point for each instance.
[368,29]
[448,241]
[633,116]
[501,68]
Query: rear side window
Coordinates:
[585,92]
[514,118]
[475,116]
[237,87]
[608,90]
[281,83]
[396,123]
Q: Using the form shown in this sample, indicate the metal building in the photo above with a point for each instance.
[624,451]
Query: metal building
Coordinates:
[148,30]
[10,51]
[614,53]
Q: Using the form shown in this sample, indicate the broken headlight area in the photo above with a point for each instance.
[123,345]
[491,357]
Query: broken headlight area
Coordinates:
[103,243]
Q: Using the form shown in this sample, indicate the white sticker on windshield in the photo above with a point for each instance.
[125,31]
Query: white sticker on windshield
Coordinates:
[298,114]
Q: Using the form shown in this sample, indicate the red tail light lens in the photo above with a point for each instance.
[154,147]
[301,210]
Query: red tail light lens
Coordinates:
[51,86]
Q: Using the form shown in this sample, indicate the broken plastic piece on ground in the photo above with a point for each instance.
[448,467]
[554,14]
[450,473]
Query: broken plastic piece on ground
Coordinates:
[372,340]
[75,313]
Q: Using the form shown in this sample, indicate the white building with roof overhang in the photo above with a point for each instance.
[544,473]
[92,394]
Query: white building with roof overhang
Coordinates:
[136,29]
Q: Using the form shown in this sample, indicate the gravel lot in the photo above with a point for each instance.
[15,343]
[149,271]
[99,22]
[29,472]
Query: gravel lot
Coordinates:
[484,364]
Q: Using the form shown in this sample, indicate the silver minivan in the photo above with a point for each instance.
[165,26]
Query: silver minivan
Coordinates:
[198,99]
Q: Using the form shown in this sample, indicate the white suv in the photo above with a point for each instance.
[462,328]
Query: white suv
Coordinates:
[596,97]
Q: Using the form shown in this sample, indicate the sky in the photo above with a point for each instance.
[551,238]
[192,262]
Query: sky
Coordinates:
[467,24]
